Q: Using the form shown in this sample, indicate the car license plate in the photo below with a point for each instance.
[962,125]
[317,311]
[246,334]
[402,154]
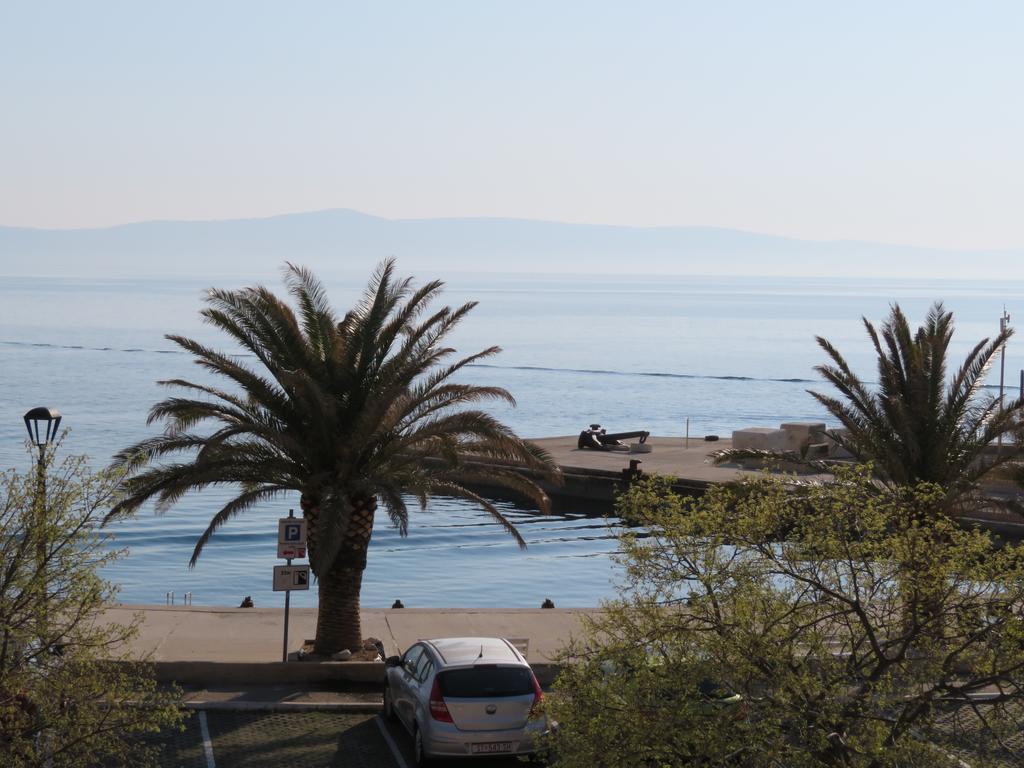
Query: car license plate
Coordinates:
[491,747]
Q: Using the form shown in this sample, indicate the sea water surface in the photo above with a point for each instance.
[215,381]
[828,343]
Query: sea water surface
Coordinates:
[641,352]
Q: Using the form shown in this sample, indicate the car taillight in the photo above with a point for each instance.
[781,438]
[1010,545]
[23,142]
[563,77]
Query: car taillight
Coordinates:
[538,696]
[438,709]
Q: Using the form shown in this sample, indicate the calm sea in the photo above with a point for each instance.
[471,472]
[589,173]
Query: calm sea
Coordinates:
[628,352]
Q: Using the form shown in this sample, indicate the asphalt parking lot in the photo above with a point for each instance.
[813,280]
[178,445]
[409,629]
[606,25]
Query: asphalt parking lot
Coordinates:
[306,739]
[322,739]
[959,731]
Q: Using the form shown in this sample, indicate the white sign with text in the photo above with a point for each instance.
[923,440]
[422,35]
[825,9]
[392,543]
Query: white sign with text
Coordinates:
[291,577]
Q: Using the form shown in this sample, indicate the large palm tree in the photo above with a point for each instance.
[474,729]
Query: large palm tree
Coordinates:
[918,425]
[350,413]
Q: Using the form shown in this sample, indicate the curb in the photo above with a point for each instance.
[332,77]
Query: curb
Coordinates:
[267,673]
[277,673]
[285,706]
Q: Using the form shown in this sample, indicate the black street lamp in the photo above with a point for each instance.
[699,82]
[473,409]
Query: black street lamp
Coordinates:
[42,425]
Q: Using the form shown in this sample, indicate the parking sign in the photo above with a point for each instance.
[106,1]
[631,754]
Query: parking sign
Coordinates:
[291,531]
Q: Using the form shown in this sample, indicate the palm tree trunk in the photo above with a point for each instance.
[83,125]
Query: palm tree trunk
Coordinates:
[338,623]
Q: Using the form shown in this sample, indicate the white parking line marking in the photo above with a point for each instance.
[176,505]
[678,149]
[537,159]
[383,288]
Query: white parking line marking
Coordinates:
[391,744]
[207,744]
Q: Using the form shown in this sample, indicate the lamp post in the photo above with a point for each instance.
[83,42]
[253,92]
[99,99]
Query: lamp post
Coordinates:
[1004,323]
[42,425]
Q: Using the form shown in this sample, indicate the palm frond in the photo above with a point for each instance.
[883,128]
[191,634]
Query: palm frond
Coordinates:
[457,491]
[233,508]
[319,323]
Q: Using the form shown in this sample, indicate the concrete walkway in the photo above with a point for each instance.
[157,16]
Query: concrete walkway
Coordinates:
[254,635]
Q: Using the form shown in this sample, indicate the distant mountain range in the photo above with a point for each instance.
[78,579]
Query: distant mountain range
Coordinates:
[344,239]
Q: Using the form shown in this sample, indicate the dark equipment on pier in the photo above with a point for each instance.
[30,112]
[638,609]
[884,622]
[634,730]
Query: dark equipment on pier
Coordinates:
[599,439]
[632,473]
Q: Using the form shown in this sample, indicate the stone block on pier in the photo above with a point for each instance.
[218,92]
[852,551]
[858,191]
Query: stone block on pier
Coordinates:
[803,433]
[761,439]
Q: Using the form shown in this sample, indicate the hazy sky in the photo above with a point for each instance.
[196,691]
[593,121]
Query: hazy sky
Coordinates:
[896,122]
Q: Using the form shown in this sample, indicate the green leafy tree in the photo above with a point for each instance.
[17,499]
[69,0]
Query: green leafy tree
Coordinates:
[349,412]
[853,642]
[918,424]
[70,692]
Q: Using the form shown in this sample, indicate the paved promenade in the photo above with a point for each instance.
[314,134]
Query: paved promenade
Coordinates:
[254,635]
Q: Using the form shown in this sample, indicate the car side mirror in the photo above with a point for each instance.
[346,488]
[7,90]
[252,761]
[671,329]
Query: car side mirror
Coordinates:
[393,661]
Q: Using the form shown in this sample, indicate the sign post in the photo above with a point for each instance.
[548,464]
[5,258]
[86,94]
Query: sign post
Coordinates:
[291,543]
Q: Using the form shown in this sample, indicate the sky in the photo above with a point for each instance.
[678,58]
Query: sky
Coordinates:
[890,122]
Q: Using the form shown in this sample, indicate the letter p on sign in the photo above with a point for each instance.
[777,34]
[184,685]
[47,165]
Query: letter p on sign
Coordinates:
[291,530]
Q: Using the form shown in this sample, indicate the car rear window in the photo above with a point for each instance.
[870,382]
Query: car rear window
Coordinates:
[486,682]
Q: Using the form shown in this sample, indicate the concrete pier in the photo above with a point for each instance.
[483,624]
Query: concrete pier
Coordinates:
[591,477]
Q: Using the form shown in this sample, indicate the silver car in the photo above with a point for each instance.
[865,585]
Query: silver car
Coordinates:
[464,697]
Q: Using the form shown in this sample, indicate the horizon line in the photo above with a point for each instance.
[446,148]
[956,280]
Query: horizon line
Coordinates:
[517,219]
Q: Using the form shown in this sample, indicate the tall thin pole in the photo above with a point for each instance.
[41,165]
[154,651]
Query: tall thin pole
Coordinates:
[40,525]
[287,601]
[41,470]
[1004,323]
[287,604]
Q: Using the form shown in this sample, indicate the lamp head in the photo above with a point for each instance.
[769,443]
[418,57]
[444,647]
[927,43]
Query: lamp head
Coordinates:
[42,425]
